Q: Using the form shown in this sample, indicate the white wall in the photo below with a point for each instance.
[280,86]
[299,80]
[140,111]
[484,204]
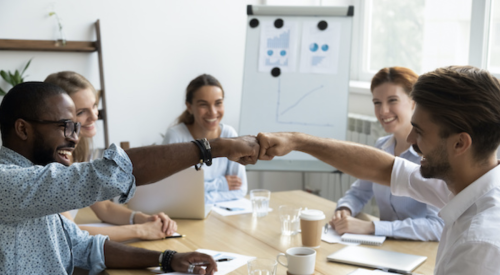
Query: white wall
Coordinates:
[151,49]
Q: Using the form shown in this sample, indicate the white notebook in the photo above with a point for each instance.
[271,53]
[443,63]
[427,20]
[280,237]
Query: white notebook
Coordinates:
[363,239]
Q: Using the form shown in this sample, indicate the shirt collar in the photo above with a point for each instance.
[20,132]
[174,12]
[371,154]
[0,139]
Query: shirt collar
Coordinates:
[391,141]
[467,197]
[8,156]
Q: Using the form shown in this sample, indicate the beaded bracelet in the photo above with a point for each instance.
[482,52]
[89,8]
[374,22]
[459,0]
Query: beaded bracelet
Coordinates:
[166,260]
[205,152]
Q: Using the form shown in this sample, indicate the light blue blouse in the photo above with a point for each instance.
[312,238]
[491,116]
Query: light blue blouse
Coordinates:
[400,217]
[216,188]
[34,238]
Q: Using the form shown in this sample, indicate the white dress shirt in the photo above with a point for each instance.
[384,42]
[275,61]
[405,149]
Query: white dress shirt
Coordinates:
[470,243]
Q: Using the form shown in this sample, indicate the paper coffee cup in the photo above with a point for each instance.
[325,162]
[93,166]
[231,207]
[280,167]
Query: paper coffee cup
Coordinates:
[311,224]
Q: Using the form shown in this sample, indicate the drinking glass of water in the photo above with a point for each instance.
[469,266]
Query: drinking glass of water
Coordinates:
[289,217]
[261,266]
[260,201]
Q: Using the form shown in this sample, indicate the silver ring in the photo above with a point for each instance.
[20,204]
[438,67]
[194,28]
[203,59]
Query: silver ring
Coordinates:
[191,268]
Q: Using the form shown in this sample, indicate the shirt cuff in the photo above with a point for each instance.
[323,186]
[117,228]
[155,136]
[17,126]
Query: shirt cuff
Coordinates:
[98,257]
[383,228]
[223,185]
[346,206]
[122,160]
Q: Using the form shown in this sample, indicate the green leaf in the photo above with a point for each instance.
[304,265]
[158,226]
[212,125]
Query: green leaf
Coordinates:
[2,92]
[5,76]
[26,67]
[17,78]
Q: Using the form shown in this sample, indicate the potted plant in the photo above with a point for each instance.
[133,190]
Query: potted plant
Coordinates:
[13,78]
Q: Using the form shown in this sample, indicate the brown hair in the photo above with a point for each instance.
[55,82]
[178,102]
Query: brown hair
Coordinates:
[72,82]
[463,99]
[401,76]
[195,85]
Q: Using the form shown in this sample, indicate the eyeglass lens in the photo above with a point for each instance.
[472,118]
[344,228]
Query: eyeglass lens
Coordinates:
[71,127]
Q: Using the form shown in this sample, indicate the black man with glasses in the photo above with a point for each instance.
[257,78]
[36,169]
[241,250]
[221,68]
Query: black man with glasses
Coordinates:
[37,182]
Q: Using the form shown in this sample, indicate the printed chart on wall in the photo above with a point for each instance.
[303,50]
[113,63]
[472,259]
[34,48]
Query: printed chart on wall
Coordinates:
[277,47]
[320,48]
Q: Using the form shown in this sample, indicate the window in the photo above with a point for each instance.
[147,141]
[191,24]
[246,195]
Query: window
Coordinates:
[494,39]
[421,35]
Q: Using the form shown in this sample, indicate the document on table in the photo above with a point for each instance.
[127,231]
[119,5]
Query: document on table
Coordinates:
[236,207]
[331,236]
[237,261]
[361,271]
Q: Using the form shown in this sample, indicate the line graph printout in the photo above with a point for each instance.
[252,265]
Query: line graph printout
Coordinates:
[320,49]
[278,46]
[295,108]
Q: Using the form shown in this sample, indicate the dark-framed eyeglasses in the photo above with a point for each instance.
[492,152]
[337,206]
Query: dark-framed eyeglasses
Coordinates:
[70,127]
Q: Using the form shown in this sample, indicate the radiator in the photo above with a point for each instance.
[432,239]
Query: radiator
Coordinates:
[361,129]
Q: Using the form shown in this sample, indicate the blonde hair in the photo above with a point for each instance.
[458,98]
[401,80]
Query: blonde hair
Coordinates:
[72,82]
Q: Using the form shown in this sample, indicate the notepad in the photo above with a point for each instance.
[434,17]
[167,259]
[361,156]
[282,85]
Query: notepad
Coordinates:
[363,239]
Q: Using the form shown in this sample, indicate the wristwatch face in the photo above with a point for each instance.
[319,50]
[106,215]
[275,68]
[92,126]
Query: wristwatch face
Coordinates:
[207,145]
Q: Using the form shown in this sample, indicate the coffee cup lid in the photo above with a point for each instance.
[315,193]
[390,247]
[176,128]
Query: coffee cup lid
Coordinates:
[312,215]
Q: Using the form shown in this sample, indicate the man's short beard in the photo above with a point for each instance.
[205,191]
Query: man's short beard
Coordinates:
[437,164]
[42,154]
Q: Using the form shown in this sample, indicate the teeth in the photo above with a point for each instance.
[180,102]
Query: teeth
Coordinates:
[64,152]
[423,158]
[389,119]
[211,120]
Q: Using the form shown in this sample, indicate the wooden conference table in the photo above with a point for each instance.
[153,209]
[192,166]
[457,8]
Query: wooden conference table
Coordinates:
[261,237]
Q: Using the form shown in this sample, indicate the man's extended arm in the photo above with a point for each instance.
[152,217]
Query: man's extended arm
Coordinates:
[360,161]
[117,255]
[154,163]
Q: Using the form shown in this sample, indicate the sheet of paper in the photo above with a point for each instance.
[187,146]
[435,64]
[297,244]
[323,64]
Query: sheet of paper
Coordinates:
[237,261]
[331,236]
[362,271]
[238,207]
[278,46]
[320,48]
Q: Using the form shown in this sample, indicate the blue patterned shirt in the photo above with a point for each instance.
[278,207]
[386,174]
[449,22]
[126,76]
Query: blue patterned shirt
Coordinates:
[400,217]
[34,238]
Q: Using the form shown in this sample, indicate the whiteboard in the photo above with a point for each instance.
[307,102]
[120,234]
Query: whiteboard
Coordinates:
[309,91]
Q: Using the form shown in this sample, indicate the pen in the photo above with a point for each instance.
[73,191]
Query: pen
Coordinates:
[218,261]
[231,209]
[326,228]
[177,236]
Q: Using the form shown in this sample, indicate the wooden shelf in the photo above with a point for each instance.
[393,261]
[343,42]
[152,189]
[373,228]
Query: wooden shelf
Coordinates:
[47,45]
[70,46]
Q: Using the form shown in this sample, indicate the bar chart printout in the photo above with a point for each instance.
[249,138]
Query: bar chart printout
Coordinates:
[277,47]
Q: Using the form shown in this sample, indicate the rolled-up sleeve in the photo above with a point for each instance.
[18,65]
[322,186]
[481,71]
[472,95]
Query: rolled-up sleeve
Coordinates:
[88,251]
[406,180]
[36,191]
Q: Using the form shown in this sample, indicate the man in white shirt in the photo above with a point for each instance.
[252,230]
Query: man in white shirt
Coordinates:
[456,129]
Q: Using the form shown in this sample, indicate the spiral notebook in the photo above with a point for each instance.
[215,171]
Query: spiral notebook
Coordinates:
[363,239]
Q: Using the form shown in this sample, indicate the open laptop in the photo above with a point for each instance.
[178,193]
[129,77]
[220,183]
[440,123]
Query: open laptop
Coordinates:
[376,258]
[180,196]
